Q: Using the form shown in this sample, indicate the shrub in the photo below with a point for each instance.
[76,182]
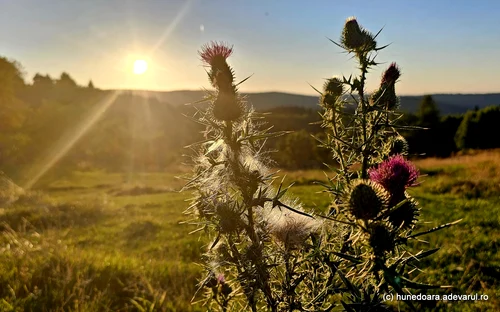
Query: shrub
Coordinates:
[475,127]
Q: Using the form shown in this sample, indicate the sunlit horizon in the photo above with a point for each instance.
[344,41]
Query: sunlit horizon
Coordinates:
[284,45]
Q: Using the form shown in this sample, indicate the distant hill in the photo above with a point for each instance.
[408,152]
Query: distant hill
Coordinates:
[448,103]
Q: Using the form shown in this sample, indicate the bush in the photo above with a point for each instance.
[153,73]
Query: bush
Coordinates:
[476,129]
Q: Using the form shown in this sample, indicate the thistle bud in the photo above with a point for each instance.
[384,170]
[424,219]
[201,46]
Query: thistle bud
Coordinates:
[220,253]
[334,87]
[366,199]
[385,97]
[356,39]
[406,215]
[221,75]
[397,146]
[352,36]
[391,74]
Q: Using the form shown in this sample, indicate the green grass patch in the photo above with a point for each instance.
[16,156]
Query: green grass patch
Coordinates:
[114,242]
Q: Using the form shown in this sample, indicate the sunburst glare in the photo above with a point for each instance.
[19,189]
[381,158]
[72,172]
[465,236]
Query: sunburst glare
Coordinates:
[65,144]
[140,67]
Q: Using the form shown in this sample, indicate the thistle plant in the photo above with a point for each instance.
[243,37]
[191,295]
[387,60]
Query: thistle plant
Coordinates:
[267,252]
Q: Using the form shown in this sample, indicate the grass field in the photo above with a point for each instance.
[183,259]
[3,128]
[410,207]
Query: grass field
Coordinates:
[100,241]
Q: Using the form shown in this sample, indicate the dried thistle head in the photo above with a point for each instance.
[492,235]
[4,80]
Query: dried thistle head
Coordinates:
[291,228]
[366,199]
[395,174]
[205,206]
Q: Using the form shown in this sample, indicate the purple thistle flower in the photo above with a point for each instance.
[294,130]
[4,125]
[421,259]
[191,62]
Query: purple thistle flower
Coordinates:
[215,51]
[395,174]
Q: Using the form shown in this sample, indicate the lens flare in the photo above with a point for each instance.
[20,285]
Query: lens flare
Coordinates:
[140,67]
[64,145]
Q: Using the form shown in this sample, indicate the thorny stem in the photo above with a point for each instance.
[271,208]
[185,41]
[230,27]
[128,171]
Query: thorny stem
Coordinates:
[288,280]
[229,132]
[239,265]
[361,91]
[250,229]
[339,152]
[375,128]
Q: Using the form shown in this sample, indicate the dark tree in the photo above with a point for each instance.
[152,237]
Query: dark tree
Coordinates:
[428,115]
[478,129]
[40,81]
[66,81]
[428,112]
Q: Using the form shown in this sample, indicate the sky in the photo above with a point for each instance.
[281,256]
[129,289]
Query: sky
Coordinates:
[441,46]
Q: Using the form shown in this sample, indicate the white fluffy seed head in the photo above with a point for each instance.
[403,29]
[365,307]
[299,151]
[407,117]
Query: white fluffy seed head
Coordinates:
[288,227]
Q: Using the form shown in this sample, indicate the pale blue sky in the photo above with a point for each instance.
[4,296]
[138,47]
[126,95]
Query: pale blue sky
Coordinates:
[441,46]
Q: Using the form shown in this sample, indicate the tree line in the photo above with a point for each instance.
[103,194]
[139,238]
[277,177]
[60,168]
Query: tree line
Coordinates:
[56,122]
[439,136]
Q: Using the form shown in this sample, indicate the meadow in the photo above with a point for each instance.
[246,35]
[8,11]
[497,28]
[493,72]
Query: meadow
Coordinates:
[97,241]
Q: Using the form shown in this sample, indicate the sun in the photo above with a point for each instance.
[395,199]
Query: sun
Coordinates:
[140,67]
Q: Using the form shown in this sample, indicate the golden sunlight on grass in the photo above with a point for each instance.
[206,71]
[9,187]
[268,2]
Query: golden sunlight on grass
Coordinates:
[480,165]
[140,67]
